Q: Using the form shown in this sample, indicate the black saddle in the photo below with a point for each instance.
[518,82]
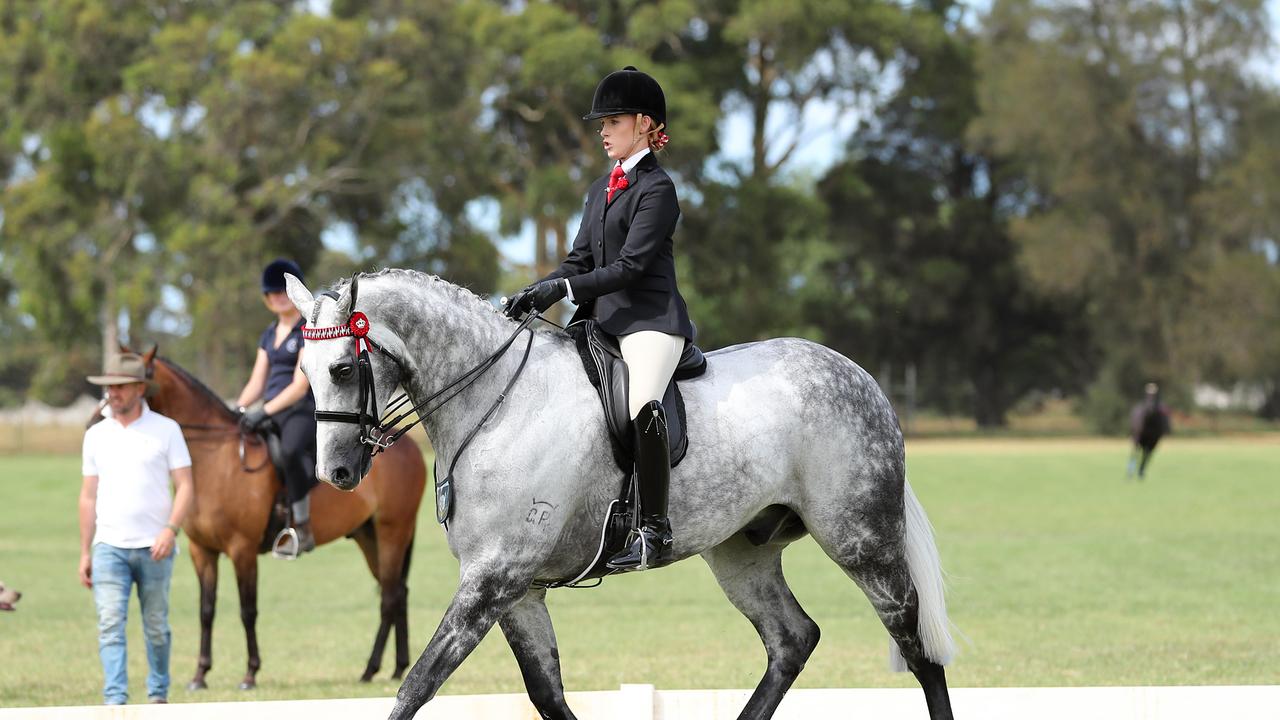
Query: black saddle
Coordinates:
[602,359]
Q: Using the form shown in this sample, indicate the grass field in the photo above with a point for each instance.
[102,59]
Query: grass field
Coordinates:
[1061,573]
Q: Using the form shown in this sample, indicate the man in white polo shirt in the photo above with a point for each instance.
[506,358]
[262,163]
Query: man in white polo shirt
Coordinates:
[129,523]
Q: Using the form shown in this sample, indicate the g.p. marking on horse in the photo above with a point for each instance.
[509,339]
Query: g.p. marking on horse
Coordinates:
[791,438]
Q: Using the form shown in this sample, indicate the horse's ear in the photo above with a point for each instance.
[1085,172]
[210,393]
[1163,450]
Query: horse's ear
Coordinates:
[347,298]
[300,295]
[150,356]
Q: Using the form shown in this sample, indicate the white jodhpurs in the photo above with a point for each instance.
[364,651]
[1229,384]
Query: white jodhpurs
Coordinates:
[651,358]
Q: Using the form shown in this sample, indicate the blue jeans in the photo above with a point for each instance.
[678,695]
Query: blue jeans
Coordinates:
[115,570]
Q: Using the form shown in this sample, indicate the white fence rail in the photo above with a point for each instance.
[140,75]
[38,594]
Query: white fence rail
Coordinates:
[642,702]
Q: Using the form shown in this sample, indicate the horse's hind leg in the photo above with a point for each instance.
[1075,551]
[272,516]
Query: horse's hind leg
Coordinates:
[527,626]
[367,541]
[483,596]
[751,578]
[884,542]
[402,616]
[888,586]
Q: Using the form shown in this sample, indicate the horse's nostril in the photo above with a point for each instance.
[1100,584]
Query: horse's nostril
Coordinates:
[341,475]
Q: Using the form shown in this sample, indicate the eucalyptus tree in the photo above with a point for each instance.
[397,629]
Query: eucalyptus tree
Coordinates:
[1125,115]
[175,148]
[82,179]
[922,271]
[535,67]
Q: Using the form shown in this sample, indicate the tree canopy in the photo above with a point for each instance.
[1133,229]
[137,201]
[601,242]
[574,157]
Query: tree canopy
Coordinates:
[1066,196]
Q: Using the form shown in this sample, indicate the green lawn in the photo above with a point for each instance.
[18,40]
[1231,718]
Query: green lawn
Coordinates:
[1061,573]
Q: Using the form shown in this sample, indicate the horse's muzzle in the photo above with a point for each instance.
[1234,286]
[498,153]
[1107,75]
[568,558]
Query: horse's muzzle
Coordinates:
[343,479]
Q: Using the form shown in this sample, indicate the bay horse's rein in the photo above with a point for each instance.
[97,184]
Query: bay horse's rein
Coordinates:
[378,432]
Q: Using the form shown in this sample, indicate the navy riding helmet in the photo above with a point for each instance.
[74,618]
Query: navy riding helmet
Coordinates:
[628,91]
[273,275]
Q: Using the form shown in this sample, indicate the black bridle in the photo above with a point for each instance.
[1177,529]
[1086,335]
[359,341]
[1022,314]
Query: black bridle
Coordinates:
[377,433]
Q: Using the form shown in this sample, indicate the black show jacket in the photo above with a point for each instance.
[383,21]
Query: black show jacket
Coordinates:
[622,265]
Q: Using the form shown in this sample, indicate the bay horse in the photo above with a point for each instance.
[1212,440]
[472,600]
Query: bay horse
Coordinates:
[233,503]
[788,438]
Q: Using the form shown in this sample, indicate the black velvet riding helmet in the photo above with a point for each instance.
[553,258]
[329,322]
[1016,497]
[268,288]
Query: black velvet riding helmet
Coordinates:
[628,91]
[273,275]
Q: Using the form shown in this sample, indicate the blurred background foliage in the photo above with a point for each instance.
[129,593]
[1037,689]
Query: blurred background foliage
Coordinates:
[1023,199]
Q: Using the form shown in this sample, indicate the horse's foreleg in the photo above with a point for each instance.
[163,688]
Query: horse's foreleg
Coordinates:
[483,596]
[206,565]
[527,626]
[751,577]
[245,560]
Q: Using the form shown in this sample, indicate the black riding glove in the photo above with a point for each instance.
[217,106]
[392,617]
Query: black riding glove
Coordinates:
[538,296]
[519,303]
[255,420]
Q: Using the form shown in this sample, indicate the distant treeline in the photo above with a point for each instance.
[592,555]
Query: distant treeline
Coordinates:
[1056,196]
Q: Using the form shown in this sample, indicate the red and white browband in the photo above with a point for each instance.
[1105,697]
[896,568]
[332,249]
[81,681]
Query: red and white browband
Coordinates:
[357,326]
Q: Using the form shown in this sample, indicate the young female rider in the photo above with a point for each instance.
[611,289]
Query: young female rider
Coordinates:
[288,403]
[621,271]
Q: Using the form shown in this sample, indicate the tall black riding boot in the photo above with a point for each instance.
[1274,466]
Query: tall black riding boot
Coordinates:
[651,546]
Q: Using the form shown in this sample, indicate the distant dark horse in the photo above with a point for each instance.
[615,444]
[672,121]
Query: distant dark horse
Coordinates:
[1148,422]
[235,486]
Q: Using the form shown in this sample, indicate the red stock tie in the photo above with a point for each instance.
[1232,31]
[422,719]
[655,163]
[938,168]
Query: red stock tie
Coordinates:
[617,181]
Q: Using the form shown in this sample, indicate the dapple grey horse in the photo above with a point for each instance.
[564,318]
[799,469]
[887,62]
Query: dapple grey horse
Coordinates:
[784,432]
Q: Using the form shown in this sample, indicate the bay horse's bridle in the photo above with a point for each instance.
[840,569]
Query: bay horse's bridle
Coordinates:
[377,433]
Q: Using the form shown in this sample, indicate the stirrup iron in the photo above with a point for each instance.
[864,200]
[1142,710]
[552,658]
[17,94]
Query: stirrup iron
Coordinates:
[285,546]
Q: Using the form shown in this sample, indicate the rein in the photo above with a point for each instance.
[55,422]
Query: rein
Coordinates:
[379,432]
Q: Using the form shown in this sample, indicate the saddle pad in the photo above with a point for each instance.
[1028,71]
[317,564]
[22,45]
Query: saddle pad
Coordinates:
[605,368]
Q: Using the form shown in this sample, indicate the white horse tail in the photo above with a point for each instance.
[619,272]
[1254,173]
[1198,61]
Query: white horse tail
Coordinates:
[926,575]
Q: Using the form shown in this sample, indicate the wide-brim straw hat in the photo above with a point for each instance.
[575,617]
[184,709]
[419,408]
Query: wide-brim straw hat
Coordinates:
[122,369]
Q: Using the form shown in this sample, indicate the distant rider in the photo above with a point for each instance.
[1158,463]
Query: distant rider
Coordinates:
[289,407]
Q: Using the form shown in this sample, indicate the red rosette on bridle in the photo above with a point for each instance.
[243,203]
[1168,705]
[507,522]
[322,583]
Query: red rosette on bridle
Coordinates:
[359,325]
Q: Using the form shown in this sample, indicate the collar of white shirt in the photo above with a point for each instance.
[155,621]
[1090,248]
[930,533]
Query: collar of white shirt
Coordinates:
[629,164]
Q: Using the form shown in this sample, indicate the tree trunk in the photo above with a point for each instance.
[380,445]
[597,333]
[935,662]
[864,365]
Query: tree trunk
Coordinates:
[108,318]
[989,403]
[541,265]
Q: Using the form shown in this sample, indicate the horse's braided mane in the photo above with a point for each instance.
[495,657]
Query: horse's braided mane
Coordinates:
[460,294]
[200,387]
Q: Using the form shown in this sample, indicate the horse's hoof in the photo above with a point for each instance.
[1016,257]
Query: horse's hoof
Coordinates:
[248,685]
[398,674]
[366,677]
[197,685]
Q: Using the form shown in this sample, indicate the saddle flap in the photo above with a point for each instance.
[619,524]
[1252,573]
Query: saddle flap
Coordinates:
[602,360]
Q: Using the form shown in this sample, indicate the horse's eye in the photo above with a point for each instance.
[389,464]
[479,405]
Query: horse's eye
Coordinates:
[341,371]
